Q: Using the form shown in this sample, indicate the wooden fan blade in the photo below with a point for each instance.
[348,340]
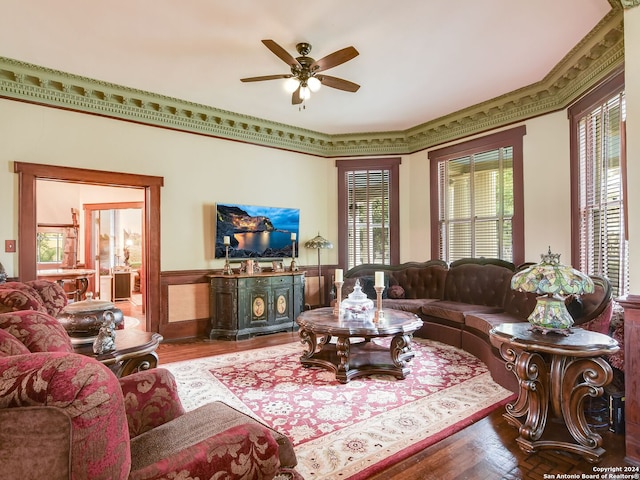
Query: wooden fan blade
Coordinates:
[334,59]
[281,53]
[295,98]
[338,83]
[265,77]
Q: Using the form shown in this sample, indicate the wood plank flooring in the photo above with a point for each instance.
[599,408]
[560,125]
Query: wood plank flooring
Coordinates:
[484,450]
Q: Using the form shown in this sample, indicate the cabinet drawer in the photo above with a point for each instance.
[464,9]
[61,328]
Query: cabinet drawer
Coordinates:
[281,280]
[223,283]
[252,282]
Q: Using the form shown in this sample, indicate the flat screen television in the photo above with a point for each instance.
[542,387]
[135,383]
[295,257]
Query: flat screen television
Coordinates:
[256,232]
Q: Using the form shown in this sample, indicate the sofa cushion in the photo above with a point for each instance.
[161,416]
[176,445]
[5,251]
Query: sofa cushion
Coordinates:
[455,311]
[38,331]
[478,284]
[150,399]
[484,322]
[519,304]
[413,305]
[13,299]
[422,282]
[10,345]
[395,291]
[52,295]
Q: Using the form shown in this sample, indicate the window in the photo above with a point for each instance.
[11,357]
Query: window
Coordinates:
[50,246]
[56,244]
[477,198]
[598,190]
[368,211]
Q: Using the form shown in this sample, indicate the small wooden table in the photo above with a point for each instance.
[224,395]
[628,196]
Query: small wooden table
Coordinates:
[135,351]
[350,359]
[555,372]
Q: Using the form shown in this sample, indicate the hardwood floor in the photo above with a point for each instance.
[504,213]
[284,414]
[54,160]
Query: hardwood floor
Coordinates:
[484,450]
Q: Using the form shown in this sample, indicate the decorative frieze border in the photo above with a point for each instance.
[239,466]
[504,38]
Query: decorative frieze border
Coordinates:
[595,57]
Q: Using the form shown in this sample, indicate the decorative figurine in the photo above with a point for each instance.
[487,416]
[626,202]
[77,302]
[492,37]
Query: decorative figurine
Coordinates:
[105,342]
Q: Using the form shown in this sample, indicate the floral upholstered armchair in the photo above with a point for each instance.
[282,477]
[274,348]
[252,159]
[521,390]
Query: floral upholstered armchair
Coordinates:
[38,295]
[65,415]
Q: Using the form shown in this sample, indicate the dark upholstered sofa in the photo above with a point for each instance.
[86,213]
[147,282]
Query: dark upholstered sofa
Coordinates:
[460,302]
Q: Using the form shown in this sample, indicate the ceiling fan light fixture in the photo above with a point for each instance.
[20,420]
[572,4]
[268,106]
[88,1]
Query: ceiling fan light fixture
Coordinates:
[291,84]
[314,84]
[305,93]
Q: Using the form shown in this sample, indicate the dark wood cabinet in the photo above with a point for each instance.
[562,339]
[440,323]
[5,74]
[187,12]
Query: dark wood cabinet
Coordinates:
[243,306]
[121,285]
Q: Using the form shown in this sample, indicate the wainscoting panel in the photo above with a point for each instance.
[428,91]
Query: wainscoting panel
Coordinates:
[187,302]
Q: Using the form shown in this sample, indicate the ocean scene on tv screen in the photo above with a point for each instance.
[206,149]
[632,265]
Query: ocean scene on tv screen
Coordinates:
[255,231]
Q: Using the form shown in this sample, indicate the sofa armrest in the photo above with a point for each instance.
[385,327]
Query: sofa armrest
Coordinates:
[150,399]
[243,451]
[35,442]
[88,393]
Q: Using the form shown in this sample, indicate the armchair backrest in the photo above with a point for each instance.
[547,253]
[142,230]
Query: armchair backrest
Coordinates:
[83,390]
[38,295]
[37,331]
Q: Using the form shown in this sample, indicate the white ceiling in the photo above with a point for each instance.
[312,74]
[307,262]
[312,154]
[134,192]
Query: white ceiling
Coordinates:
[419,60]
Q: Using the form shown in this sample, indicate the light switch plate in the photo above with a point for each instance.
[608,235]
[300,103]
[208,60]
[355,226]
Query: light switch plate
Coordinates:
[10,246]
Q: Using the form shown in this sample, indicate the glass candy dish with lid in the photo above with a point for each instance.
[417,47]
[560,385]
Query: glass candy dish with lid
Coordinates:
[357,304]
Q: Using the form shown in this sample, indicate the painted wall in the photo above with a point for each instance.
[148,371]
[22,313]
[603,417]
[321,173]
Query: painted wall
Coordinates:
[200,171]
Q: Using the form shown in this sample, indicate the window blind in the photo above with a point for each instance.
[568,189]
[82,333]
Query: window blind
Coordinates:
[601,211]
[368,217]
[476,205]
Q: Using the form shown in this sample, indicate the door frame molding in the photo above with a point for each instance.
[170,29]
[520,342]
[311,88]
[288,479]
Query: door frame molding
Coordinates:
[29,173]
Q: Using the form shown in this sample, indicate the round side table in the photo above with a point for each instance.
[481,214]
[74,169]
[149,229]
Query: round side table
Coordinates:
[555,374]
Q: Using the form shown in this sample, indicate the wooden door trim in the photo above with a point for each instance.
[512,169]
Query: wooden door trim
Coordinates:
[29,173]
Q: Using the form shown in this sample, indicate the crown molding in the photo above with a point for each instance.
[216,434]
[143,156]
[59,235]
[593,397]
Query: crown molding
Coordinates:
[629,3]
[593,59]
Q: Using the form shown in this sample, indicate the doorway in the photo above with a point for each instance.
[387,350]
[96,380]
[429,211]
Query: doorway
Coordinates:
[114,249]
[29,173]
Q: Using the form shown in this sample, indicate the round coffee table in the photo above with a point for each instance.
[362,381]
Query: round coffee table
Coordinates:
[135,351]
[362,346]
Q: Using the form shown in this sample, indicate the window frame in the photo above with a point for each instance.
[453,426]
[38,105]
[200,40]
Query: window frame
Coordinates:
[512,137]
[611,86]
[392,165]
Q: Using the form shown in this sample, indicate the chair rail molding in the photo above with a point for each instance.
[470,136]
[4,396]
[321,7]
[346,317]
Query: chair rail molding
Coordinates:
[593,59]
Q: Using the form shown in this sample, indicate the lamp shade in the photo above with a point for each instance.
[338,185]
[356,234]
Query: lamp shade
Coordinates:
[551,277]
[291,84]
[318,242]
[552,281]
[314,84]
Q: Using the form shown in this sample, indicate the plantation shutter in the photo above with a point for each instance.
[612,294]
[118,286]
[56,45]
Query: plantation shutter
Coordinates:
[476,205]
[602,221]
[368,217]
[368,211]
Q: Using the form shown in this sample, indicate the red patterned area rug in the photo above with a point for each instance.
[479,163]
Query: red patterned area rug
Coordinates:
[347,431]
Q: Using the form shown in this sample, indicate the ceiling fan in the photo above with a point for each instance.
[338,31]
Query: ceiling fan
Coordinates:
[306,76]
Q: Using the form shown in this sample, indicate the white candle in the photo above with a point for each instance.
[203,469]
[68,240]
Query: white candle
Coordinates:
[226,240]
[379,279]
[338,275]
[293,236]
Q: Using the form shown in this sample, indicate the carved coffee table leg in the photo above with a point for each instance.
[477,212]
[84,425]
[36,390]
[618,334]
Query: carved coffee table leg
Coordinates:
[342,350]
[308,339]
[401,353]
